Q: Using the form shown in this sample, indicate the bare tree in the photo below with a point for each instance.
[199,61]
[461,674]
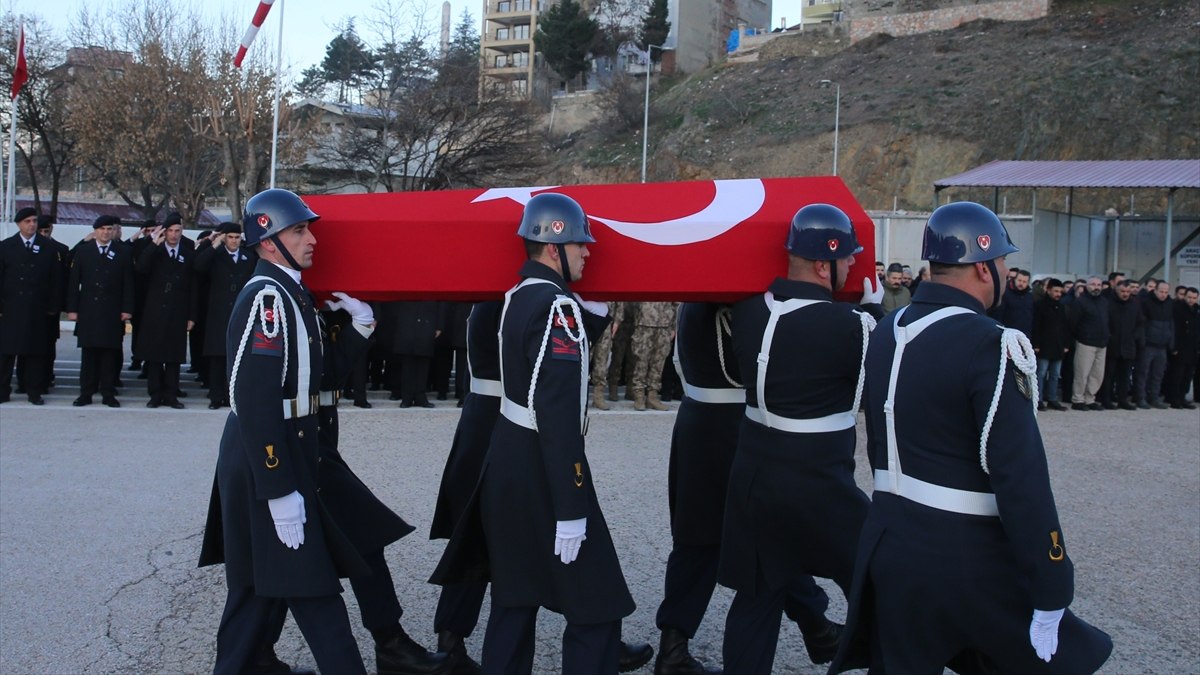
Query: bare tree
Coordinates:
[41,106]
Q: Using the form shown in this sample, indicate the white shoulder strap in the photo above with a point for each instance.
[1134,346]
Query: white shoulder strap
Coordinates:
[778,308]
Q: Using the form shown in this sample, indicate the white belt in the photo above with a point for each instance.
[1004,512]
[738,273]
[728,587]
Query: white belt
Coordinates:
[515,412]
[815,425]
[328,398]
[300,407]
[714,395]
[938,496]
[491,388]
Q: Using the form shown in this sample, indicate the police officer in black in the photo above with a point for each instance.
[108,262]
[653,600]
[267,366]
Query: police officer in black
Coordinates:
[460,602]
[223,268]
[166,268]
[534,525]
[962,548]
[793,508]
[268,521]
[703,443]
[100,301]
[30,299]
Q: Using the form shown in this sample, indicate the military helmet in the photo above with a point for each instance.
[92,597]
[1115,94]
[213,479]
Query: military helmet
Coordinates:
[553,218]
[271,211]
[822,232]
[962,233]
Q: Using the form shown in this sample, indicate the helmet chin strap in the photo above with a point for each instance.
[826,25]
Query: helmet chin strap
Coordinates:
[991,265]
[285,253]
[566,267]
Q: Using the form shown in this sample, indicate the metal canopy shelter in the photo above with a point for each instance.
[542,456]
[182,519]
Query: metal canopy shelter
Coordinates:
[1165,174]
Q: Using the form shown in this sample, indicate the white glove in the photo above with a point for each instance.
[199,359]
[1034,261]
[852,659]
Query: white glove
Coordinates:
[1043,632]
[872,291]
[568,537]
[591,306]
[359,311]
[288,513]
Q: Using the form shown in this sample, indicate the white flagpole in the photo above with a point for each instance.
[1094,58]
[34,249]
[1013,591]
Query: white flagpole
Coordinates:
[278,87]
[11,195]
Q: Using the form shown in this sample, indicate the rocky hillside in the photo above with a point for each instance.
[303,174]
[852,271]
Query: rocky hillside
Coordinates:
[1102,79]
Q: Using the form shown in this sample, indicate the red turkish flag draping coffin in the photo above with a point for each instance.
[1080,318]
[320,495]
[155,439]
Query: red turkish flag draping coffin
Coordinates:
[716,240]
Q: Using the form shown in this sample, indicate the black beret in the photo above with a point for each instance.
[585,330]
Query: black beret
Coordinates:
[105,221]
[173,218]
[895,267]
[229,228]
[45,221]
[24,213]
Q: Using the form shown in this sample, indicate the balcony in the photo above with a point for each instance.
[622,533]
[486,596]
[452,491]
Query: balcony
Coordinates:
[510,11]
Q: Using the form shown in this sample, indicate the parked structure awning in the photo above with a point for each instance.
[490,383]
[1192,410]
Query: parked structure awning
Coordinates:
[1166,174]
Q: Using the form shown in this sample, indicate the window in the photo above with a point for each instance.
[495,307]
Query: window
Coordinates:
[502,33]
[521,32]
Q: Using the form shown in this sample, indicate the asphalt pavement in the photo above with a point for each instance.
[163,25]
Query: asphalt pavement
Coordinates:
[102,512]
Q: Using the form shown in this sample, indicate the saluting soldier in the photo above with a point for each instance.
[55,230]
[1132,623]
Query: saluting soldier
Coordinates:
[166,269]
[267,475]
[30,296]
[100,301]
[534,526]
[962,549]
[793,508]
[223,268]
[46,229]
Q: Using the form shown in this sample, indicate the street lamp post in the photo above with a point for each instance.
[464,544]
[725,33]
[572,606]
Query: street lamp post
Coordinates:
[837,113]
[646,110]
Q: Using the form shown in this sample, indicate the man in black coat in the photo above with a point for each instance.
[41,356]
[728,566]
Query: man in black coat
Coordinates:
[46,229]
[268,521]
[1155,340]
[1016,310]
[963,549]
[30,297]
[223,269]
[138,243]
[1051,341]
[166,270]
[1125,322]
[418,325]
[100,301]
[1187,339]
[534,527]
[1089,325]
[793,509]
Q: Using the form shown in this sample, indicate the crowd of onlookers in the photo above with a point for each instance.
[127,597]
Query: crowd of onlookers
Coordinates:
[1100,343]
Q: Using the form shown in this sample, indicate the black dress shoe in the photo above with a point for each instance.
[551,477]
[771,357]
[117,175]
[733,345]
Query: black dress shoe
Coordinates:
[458,661]
[111,402]
[634,656]
[1095,406]
[1127,406]
[426,404]
[822,644]
[363,404]
[266,663]
[213,405]
[674,659]
[152,403]
[1111,405]
[1055,405]
[174,404]
[81,401]
[401,655]
[405,404]
[461,402]
[37,400]
[1079,406]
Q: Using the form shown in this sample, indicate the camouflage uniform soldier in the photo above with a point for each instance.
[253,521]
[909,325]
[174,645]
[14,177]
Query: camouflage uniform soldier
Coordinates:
[601,354]
[654,328]
[620,348]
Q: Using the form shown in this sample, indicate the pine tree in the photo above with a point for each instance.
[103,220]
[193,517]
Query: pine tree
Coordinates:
[565,36]
[655,28]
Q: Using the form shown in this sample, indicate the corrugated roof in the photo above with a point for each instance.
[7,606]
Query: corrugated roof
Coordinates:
[1147,173]
[85,213]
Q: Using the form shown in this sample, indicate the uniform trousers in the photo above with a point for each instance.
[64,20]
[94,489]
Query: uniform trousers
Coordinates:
[1180,377]
[752,625]
[1118,374]
[218,385]
[692,577]
[31,373]
[51,350]
[414,377]
[651,345]
[98,372]
[162,381]
[587,649]
[458,607]
[250,620]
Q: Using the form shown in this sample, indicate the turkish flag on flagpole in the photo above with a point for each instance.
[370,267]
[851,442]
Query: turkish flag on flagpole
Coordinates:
[21,73]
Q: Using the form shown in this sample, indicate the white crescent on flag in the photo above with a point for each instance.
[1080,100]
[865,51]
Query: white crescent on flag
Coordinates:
[734,202]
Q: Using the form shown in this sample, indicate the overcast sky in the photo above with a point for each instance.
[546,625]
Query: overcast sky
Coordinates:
[309,25]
